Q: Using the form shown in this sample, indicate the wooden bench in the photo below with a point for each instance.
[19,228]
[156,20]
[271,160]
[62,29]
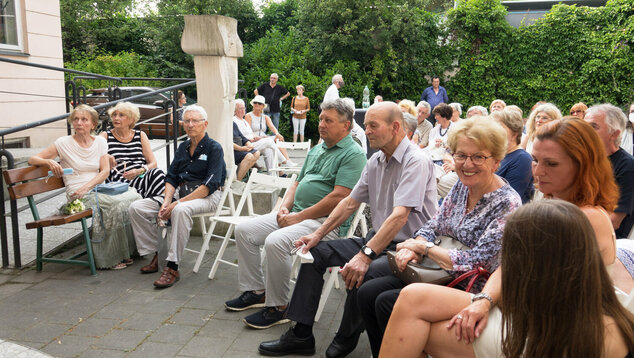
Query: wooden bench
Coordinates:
[29,181]
[157,130]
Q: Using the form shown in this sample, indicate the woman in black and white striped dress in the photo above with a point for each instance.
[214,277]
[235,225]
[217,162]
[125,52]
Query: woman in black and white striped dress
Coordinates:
[131,157]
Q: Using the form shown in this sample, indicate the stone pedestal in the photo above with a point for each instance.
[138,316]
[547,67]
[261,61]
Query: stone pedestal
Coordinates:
[213,41]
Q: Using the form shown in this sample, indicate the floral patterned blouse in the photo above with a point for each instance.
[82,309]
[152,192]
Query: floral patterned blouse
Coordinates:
[481,229]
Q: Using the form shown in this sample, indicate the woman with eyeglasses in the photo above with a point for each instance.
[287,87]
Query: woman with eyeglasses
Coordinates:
[578,110]
[473,213]
[569,163]
[541,115]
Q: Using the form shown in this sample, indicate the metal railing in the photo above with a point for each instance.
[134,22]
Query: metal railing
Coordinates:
[75,94]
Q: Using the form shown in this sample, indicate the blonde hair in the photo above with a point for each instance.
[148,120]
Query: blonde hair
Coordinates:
[550,109]
[408,106]
[300,86]
[94,116]
[497,101]
[485,132]
[127,109]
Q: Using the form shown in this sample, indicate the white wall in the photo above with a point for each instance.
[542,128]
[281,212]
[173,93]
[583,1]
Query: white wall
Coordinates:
[42,43]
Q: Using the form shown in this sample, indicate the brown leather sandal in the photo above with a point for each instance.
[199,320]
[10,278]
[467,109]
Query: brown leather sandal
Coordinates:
[152,267]
[167,279]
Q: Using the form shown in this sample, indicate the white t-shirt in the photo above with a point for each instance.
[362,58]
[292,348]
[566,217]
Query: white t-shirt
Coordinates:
[437,153]
[244,128]
[332,93]
[84,161]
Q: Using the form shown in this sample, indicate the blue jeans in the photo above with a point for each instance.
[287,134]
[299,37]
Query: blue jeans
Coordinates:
[275,118]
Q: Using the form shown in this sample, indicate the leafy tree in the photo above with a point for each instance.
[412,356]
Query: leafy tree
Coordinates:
[88,25]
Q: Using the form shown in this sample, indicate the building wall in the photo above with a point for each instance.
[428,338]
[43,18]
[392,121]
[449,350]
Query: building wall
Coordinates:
[42,43]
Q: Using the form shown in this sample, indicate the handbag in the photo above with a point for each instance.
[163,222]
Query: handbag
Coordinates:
[426,271]
[293,105]
[187,187]
[112,188]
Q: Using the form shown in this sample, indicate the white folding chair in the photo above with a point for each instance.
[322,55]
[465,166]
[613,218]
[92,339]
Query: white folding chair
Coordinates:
[232,221]
[226,207]
[301,146]
[331,277]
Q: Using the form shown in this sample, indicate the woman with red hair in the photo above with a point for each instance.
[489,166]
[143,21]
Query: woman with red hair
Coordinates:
[569,163]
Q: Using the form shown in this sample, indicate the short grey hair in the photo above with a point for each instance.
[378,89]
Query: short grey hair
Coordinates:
[410,123]
[615,119]
[240,101]
[350,102]
[456,107]
[342,107]
[195,108]
[481,109]
[424,104]
[336,78]
[274,74]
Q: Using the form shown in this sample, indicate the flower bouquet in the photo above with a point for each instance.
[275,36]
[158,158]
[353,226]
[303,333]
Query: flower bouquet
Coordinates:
[73,207]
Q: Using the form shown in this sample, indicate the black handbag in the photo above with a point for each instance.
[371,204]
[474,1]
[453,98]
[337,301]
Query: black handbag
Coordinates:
[187,187]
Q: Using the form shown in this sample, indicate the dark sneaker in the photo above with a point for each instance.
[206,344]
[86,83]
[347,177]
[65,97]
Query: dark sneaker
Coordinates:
[267,317]
[248,299]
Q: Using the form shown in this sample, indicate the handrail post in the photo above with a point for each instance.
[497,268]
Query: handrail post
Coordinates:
[166,107]
[14,218]
[70,98]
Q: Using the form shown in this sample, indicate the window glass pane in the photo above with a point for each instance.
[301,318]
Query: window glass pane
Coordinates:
[8,23]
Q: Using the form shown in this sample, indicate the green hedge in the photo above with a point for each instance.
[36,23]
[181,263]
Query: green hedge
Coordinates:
[572,54]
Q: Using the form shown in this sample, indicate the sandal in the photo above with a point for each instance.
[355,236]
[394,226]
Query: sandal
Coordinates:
[119,266]
[127,262]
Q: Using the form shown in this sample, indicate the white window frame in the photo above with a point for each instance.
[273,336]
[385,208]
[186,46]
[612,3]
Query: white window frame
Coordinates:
[18,23]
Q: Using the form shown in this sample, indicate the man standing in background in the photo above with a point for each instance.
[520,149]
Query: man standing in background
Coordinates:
[273,94]
[434,95]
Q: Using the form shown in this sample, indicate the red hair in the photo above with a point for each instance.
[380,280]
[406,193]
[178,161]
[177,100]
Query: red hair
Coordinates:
[594,182]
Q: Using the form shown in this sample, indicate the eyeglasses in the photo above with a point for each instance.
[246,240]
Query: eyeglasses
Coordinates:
[476,159]
[261,104]
[192,121]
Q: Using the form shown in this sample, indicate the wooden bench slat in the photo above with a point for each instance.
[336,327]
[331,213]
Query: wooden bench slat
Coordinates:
[18,191]
[13,176]
[56,220]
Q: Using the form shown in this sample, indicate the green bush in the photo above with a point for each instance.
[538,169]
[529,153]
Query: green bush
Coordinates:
[123,64]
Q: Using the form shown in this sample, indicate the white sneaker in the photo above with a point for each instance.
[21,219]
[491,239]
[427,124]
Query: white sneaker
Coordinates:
[290,163]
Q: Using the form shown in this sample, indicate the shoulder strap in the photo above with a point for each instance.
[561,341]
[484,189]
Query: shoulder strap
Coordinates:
[293,102]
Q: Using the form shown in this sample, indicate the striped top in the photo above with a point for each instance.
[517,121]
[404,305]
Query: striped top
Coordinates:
[128,155]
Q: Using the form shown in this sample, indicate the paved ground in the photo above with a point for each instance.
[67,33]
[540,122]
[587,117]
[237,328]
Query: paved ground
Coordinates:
[65,312]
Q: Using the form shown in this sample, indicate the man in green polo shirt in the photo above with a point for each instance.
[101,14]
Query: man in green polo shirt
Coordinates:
[330,171]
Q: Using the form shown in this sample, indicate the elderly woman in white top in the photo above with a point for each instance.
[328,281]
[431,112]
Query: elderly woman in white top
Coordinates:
[87,155]
[263,143]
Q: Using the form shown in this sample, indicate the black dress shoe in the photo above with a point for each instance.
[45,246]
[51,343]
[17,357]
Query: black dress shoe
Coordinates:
[339,348]
[288,344]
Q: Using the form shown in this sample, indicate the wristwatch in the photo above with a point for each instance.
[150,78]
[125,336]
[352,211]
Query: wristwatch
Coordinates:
[482,295]
[428,245]
[367,251]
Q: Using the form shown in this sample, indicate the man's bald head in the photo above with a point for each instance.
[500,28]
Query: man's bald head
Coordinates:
[387,111]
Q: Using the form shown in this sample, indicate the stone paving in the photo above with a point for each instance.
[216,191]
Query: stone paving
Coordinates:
[63,311]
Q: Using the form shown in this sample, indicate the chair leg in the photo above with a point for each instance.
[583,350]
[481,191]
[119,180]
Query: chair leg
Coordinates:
[38,254]
[205,246]
[221,252]
[332,277]
[91,258]
[203,227]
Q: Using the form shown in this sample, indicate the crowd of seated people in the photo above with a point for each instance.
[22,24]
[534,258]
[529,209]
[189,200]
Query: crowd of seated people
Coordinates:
[489,166]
